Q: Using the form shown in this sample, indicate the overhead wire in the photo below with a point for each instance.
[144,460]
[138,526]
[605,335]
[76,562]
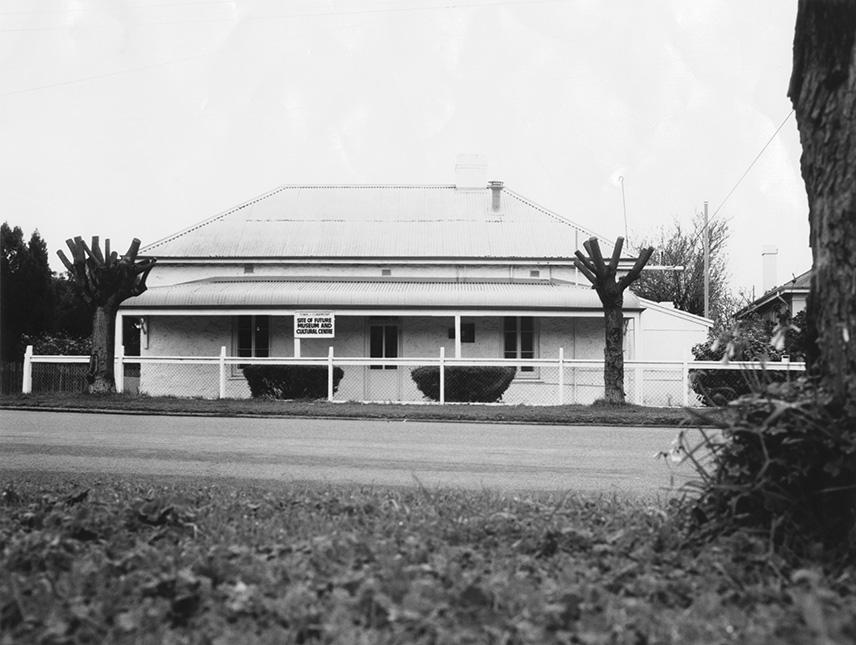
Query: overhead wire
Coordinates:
[752,164]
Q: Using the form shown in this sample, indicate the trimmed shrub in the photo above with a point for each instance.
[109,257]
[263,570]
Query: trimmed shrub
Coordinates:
[465,384]
[290,381]
[752,339]
[720,387]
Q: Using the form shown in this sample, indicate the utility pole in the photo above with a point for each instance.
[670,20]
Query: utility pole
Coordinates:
[706,234]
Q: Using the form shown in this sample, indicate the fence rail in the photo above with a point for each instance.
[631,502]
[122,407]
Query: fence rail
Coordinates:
[540,381]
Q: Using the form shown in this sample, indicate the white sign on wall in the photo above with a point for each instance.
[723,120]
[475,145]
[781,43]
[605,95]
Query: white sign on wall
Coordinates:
[314,325]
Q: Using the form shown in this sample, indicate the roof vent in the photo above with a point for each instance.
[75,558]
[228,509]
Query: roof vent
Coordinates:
[495,192]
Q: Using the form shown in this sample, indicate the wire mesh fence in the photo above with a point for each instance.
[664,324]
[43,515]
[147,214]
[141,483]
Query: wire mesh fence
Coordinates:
[11,377]
[542,381]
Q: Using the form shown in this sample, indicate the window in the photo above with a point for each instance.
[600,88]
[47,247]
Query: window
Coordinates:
[252,337]
[386,271]
[468,333]
[383,343]
[534,274]
[519,338]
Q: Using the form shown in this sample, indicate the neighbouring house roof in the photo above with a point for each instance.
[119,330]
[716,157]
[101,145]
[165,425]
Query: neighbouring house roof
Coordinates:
[381,222]
[801,284]
[308,293]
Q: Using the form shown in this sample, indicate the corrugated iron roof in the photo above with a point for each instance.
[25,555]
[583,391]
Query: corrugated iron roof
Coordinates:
[377,221]
[360,294]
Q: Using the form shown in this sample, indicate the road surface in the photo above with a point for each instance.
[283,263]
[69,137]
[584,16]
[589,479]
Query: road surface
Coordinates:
[469,455]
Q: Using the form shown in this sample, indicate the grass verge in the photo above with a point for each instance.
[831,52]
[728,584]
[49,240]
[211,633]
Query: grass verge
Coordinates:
[135,560]
[560,414]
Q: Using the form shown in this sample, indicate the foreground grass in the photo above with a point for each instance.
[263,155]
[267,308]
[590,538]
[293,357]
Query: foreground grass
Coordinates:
[559,414]
[122,560]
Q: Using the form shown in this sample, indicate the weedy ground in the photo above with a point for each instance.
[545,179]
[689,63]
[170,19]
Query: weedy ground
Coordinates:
[91,559]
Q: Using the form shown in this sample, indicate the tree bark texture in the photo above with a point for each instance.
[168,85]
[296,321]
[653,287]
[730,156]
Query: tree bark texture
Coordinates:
[823,92]
[613,350]
[101,377]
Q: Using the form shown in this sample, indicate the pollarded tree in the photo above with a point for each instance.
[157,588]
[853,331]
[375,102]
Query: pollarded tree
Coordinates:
[823,92]
[105,280]
[610,289]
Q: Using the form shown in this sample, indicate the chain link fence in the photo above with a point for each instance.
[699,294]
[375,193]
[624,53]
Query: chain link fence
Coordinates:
[542,381]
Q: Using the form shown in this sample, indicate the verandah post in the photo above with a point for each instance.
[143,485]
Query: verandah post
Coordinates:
[27,381]
[222,365]
[561,376]
[442,375]
[330,374]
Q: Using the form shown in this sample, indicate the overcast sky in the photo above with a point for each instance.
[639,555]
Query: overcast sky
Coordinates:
[139,118]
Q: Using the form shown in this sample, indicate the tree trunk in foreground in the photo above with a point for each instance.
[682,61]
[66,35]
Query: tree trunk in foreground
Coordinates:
[823,92]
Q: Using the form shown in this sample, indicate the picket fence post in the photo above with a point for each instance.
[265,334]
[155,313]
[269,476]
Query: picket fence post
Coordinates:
[222,365]
[330,374]
[119,369]
[27,381]
[442,375]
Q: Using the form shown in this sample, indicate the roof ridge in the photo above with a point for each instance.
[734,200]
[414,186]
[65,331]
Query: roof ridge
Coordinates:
[279,189]
[553,214]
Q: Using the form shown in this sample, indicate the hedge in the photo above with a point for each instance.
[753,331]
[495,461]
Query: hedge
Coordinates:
[465,384]
[719,387]
[290,381]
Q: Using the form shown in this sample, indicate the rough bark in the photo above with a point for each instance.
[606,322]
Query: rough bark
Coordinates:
[101,377]
[105,280]
[823,93]
[610,289]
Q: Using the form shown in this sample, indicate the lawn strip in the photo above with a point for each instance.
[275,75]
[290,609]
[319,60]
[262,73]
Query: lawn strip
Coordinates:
[94,558]
[626,415]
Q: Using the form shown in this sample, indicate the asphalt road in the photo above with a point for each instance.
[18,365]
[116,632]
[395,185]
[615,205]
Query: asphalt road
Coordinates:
[470,455]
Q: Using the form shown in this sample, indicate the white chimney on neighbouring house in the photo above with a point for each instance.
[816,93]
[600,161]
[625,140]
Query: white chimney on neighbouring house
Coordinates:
[471,172]
[769,269]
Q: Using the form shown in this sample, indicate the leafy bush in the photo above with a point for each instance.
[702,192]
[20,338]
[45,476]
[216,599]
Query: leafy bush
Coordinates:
[751,339]
[785,467]
[290,381]
[465,384]
[59,343]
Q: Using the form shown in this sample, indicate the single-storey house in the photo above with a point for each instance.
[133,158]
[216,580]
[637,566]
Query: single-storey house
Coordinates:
[781,301]
[393,271]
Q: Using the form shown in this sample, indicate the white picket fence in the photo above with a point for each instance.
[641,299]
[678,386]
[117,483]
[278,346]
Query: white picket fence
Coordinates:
[548,381]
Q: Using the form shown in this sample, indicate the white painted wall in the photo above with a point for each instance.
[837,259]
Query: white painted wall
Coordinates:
[581,338]
[169,274]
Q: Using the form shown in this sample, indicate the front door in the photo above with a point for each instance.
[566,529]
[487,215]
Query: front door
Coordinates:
[383,381]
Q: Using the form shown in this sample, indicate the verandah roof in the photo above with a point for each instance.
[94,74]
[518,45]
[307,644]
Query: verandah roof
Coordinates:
[361,294]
